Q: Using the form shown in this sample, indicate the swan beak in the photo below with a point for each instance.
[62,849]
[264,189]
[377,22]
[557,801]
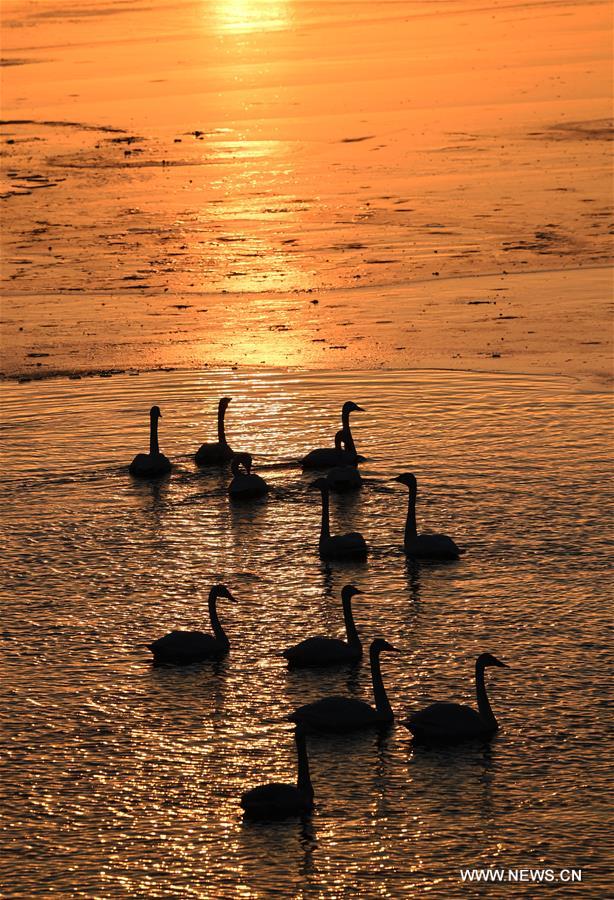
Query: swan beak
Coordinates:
[358,408]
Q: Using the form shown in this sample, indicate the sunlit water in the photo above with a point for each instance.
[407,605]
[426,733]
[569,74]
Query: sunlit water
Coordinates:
[121,780]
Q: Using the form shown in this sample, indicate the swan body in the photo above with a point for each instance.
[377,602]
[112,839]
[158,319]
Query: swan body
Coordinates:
[245,485]
[424,546]
[340,546]
[345,477]
[327,457]
[182,648]
[325,651]
[218,453]
[453,722]
[279,801]
[344,714]
[153,464]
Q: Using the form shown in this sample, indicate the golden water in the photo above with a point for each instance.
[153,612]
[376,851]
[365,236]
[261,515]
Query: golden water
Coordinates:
[121,780]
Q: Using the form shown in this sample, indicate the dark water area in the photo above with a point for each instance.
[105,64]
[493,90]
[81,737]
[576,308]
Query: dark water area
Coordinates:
[121,780]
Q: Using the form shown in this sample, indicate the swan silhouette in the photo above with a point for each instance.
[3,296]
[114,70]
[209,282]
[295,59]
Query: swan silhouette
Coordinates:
[453,722]
[324,651]
[340,546]
[343,478]
[279,801]
[343,714]
[424,546]
[182,648]
[153,464]
[245,485]
[218,453]
[325,457]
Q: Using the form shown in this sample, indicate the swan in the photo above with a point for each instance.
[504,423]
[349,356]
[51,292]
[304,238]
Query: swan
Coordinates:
[278,801]
[181,648]
[340,546]
[424,546]
[245,485]
[153,464]
[325,457]
[343,478]
[219,453]
[323,651]
[452,722]
[342,714]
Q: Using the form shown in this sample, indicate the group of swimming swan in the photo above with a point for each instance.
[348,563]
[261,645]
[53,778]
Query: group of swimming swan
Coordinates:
[438,723]
[341,460]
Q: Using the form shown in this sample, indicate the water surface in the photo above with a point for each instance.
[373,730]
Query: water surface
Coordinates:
[122,780]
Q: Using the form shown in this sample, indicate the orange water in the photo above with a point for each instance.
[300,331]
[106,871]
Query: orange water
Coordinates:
[194,166]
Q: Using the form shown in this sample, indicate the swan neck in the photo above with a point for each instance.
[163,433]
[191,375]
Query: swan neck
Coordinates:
[221,434]
[350,446]
[382,703]
[154,447]
[411,530]
[350,627]
[325,526]
[216,625]
[484,707]
[303,781]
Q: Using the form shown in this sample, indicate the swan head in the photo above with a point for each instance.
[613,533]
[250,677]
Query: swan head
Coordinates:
[155,413]
[241,459]
[349,591]
[409,480]
[379,645]
[320,484]
[350,407]
[487,659]
[340,439]
[220,590]
[224,402]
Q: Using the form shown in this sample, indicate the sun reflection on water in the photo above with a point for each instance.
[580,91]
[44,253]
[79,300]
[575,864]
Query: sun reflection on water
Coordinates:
[255,218]
[251,16]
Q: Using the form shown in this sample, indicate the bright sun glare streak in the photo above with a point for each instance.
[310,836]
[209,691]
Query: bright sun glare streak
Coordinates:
[247,16]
